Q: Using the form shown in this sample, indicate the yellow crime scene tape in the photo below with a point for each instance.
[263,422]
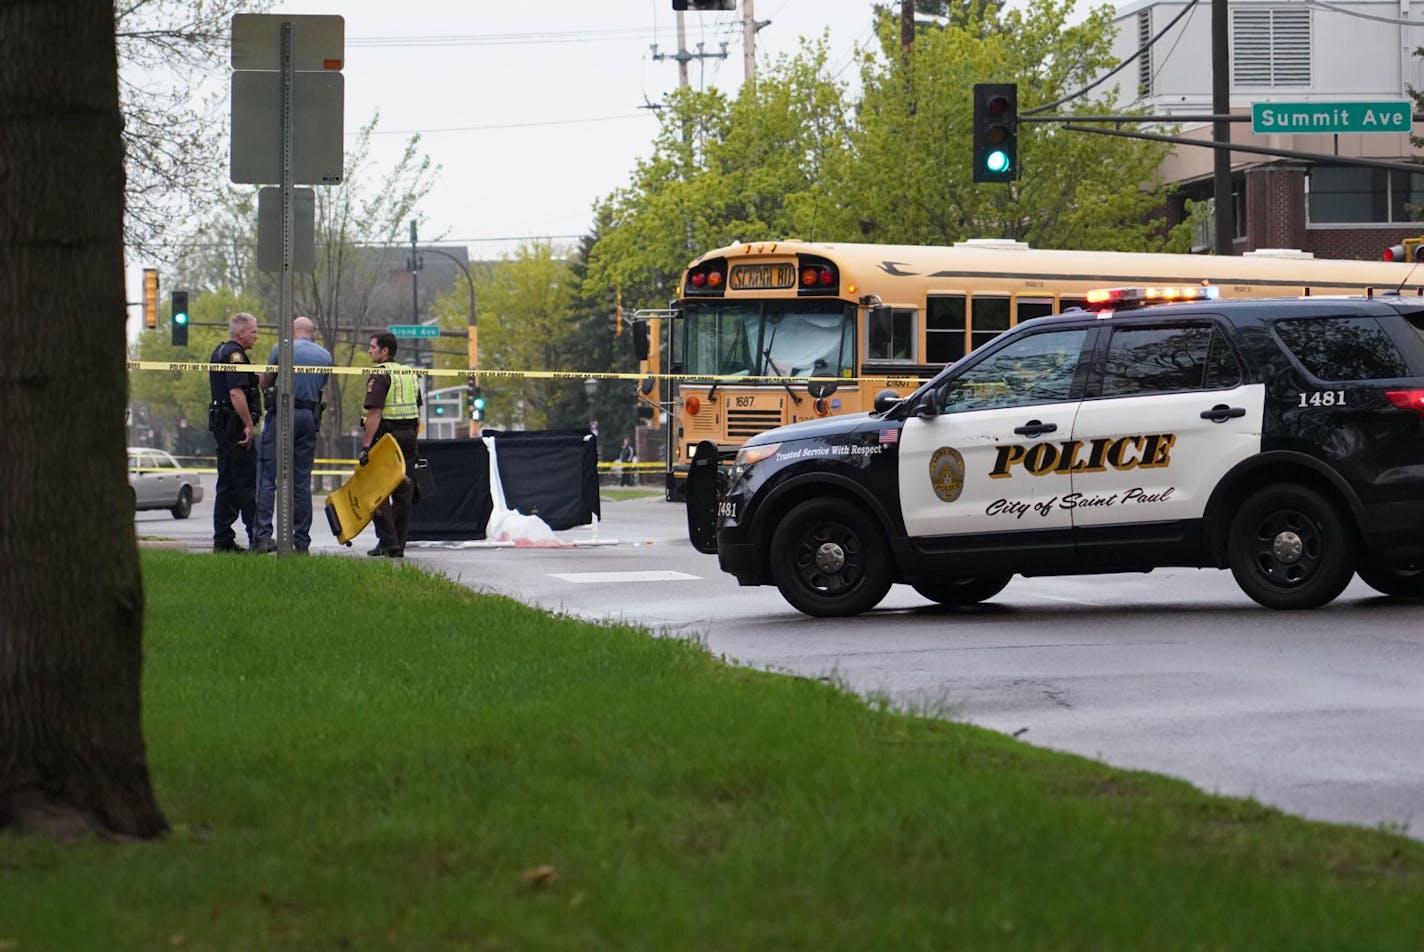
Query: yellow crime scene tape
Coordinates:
[349,465]
[181,365]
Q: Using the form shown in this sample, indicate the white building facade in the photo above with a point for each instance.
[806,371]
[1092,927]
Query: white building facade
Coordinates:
[1286,52]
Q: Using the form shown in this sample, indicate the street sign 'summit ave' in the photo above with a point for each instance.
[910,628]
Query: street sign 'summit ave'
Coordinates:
[1329,117]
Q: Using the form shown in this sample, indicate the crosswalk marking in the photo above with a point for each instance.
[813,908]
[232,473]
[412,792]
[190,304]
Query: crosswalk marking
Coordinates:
[599,578]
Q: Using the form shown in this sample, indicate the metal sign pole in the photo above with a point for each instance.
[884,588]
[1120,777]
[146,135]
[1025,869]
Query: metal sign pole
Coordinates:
[285,397]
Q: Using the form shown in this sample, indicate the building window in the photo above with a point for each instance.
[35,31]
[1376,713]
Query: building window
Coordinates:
[1358,196]
[1204,229]
[1270,48]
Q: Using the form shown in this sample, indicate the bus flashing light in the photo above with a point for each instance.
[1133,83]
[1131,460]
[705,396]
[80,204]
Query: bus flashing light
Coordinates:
[708,277]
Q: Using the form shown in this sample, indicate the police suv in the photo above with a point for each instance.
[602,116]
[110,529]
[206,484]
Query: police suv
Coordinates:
[1282,439]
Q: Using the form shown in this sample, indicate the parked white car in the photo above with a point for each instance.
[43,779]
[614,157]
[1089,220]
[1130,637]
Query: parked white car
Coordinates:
[158,482]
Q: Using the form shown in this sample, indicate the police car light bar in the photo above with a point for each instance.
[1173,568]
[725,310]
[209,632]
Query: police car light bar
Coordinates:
[1104,298]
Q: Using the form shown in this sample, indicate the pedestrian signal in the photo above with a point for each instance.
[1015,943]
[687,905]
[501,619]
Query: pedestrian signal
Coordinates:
[996,138]
[180,319]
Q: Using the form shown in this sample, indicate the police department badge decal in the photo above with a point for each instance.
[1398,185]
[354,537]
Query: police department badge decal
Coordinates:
[947,473]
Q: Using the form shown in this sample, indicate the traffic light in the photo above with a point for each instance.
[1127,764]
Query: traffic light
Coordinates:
[180,319]
[150,298]
[477,404]
[996,133]
[704,4]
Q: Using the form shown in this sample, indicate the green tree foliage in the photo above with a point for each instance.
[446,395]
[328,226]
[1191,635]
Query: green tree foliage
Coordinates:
[911,179]
[796,156]
[524,318]
[726,169]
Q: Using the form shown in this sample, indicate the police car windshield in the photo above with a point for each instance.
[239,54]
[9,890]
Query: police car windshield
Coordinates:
[770,338]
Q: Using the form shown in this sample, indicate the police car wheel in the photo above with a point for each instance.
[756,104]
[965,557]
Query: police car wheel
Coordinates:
[965,590]
[184,506]
[829,559]
[1290,548]
[1400,582]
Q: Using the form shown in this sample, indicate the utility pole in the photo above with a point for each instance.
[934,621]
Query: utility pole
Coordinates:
[750,26]
[1221,129]
[413,265]
[682,56]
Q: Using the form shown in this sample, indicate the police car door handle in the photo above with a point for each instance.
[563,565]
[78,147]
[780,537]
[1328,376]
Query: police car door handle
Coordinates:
[1221,413]
[1035,428]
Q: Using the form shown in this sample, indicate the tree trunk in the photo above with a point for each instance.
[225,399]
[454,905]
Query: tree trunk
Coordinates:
[72,755]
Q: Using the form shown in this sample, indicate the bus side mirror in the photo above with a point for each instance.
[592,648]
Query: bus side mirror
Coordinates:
[641,344]
[886,399]
[821,389]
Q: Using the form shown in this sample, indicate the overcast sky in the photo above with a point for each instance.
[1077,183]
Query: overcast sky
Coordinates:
[535,109]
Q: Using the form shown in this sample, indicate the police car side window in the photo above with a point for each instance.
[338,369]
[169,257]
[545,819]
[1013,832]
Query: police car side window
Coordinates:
[1035,369]
[1167,359]
[1342,348]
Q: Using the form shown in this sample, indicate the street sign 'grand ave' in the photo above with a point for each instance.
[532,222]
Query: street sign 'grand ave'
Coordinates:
[414,330]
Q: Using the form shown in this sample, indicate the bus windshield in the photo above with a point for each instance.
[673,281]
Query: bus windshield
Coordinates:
[770,338]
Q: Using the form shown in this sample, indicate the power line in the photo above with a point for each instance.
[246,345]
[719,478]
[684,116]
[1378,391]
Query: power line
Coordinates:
[499,126]
[502,39]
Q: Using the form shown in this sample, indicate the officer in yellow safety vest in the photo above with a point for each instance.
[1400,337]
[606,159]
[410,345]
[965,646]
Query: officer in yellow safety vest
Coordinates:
[392,406]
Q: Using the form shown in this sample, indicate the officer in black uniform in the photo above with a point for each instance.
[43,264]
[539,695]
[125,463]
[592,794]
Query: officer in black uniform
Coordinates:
[232,418]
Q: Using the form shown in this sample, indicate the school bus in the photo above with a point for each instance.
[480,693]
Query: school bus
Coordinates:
[768,333]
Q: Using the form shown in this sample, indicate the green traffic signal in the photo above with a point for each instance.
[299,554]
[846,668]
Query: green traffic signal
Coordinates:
[180,319]
[996,119]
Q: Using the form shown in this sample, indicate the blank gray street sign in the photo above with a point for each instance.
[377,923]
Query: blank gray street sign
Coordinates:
[317,128]
[269,230]
[318,41]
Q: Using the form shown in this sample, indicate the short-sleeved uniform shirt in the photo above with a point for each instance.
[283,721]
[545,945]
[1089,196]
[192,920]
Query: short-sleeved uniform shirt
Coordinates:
[232,354]
[377,386]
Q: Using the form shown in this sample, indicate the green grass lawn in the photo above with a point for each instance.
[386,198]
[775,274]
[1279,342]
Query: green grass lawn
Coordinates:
[360,755]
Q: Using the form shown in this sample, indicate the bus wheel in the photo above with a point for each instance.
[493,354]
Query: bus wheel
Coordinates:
[964,590]
[828,559]
[1290,548]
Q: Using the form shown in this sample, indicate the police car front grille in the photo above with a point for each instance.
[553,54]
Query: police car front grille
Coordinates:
[745,423]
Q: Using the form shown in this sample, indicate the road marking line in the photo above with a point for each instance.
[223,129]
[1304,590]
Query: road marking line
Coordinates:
[598,578]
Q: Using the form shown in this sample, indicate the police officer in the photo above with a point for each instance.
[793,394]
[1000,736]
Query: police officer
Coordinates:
[392,406]
[232,418]
[306,421]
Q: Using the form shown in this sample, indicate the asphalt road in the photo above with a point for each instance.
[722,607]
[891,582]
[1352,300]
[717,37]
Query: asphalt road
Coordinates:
[1318,713]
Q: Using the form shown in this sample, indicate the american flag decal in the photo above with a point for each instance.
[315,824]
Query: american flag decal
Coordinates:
[889,436]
